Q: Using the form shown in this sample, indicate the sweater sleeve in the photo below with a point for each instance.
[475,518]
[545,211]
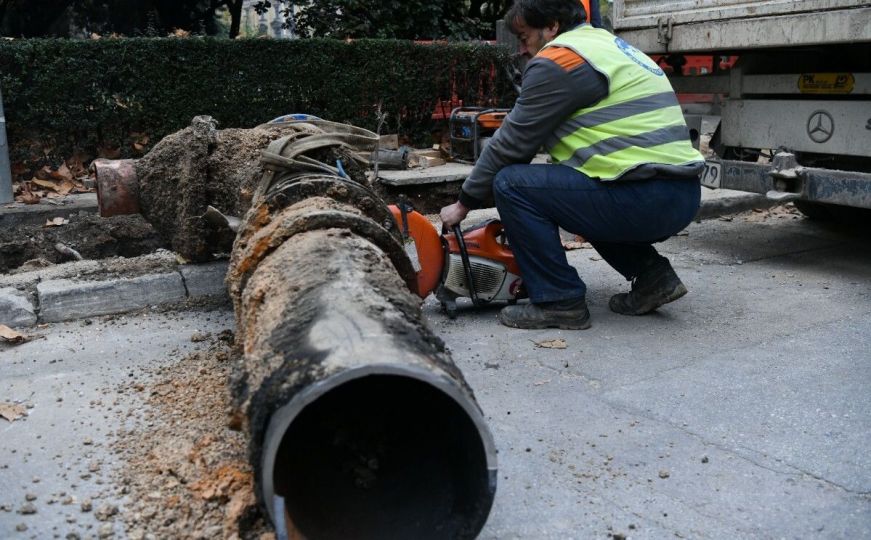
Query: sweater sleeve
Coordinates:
[554,86]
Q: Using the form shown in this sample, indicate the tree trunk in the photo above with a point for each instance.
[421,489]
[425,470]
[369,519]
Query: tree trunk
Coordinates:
[235,9]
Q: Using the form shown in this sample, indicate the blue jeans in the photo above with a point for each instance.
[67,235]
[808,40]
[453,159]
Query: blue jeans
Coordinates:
[620,219]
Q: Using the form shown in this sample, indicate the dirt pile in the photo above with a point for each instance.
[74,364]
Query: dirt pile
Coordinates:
[197,167]
[91,236]
[186,472]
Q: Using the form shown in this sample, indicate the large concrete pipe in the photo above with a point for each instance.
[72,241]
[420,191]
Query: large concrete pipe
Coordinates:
[361,426]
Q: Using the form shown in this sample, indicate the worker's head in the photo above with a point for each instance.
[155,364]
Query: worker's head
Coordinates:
[537,22]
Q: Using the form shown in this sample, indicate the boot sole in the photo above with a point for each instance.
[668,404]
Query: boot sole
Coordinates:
[678,292]
[543,325]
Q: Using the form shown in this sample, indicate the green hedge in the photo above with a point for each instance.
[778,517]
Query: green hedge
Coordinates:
[67,96]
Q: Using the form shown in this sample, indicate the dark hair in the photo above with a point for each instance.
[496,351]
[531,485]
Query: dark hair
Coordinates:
[543,13]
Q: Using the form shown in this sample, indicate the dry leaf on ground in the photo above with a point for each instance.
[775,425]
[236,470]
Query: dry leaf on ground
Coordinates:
[61,187]
[11,336]
[62,174]
[12,411]
[569,246]
[43,173]
[48,184]
[76,166]
[56,222]
[551,344]
[577,242]
[140,140]
[27,195]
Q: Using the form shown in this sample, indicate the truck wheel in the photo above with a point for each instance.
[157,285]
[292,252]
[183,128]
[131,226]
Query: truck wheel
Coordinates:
[815,211]
[833,212]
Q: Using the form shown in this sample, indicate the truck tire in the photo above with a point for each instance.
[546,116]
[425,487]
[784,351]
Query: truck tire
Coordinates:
[834,213]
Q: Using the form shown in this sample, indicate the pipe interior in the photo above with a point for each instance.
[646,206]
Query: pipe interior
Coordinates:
[384,456]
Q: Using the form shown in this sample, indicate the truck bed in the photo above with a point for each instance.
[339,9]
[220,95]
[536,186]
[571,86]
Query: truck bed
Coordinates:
[706,26]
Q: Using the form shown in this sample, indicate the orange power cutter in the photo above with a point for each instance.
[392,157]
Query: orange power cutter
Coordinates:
[476,263]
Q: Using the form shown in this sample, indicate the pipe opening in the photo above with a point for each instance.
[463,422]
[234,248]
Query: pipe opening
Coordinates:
[384,456]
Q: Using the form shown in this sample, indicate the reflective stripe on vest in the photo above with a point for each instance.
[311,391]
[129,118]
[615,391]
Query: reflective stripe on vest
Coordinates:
[586,4]
[640,121]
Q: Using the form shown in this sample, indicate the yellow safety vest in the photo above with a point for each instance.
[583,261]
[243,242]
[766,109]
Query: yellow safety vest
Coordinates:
[640,121]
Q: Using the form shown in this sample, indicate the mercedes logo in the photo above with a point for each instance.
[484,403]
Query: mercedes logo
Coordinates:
[820,127]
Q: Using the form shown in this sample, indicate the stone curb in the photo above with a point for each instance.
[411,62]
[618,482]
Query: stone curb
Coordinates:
[16,214]
[713,208]
[15,308]
[60,300]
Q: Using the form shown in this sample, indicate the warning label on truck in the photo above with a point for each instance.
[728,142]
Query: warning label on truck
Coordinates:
[826,83]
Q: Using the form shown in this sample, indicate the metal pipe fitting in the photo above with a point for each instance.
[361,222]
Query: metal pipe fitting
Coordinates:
[117,186]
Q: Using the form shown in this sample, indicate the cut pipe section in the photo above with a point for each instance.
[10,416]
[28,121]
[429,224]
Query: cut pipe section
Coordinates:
[361,425]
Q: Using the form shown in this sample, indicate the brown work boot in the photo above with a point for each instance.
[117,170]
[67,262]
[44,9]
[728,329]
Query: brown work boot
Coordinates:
[567,315]
[658,285]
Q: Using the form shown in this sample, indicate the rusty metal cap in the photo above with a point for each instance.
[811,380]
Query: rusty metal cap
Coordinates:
[117,186]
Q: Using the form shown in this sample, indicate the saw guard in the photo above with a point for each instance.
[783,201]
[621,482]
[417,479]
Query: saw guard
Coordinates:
[430,252]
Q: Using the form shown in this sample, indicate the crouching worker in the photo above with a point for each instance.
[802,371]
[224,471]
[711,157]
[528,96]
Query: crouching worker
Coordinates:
[624,174]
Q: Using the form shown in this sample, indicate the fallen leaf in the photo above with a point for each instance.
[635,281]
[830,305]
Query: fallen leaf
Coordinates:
[47,184]
[56,222]
[12,412]
[11,336]
[27,195]
[45,172]
[140,140]
[551,344]
[62,173]
[77,166]
[572,245]
[66,186]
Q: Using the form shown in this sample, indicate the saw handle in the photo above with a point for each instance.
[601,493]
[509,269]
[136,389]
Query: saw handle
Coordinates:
[467,266]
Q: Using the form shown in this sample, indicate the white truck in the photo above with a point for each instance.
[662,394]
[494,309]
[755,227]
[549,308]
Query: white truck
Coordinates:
[795,109]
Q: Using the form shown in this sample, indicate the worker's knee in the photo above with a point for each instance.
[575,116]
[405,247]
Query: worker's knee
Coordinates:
[505,180]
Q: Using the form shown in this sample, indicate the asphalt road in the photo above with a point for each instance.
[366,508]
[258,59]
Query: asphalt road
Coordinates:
[741,411]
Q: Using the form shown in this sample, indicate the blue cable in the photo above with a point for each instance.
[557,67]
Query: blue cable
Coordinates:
[342,172]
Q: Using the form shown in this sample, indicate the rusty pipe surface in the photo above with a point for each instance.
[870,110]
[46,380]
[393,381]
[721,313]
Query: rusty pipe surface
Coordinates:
[117,186]
[361,425]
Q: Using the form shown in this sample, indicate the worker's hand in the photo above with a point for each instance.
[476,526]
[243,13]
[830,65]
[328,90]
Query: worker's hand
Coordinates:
[453,214]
